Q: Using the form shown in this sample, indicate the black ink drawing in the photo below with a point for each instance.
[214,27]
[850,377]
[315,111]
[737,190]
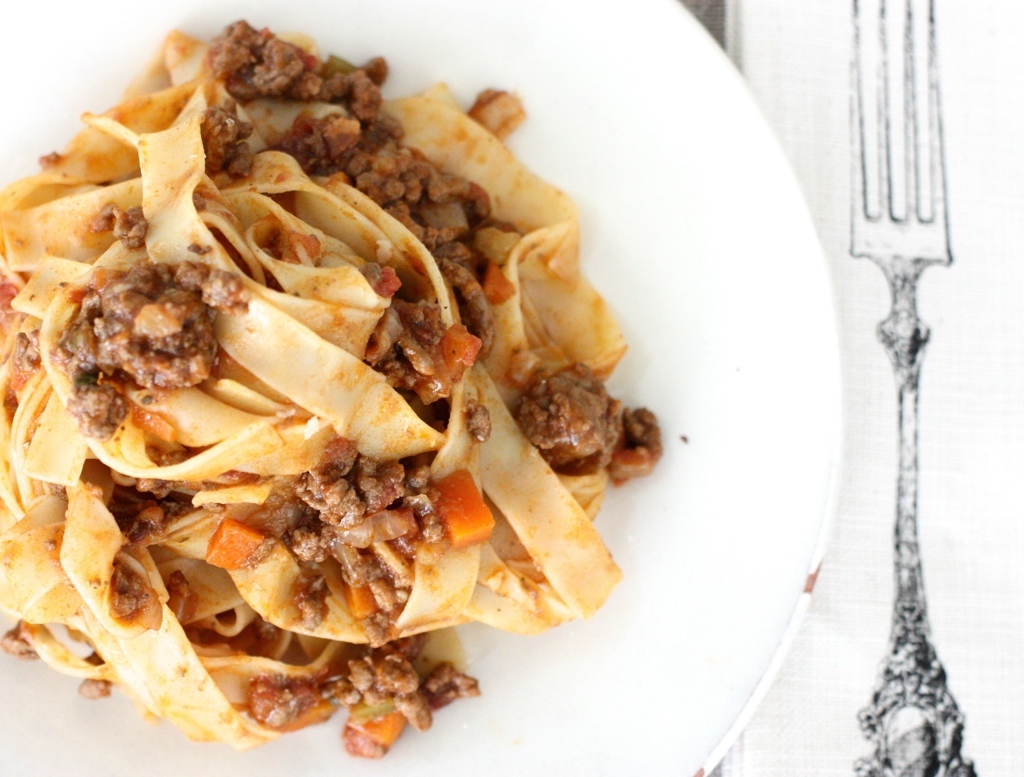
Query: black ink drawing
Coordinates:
[899,221]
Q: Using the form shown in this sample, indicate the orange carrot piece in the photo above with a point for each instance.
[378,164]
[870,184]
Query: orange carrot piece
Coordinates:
[232,544]
[497,288]
[372,738]
[385,729]
[463,511]
[360,601]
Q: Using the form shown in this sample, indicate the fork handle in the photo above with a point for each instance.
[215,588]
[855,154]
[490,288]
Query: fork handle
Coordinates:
[912,703]
[905,337]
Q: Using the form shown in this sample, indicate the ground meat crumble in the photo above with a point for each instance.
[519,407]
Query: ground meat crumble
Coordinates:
[641,447]
[579,429]
[414,350]
[571,420]
[93,689]
[478,421]
[17,643]
[338,510]
[132,598]
[129,226]
[152,325]
[224,137]
[381,678]
[25,358]
[255,63]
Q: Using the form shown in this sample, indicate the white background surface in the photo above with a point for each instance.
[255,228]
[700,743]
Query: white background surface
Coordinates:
[795,55]
[695,229]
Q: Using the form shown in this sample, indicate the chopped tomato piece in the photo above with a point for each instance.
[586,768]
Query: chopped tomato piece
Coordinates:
[458,346]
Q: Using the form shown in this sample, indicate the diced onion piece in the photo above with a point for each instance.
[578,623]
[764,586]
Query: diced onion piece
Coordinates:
[495,244]
[446,215]
[156,321]
[498,111]
[392,524]
[358,536]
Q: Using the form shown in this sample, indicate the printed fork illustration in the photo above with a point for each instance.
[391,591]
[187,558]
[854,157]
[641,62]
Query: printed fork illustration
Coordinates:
[899,222]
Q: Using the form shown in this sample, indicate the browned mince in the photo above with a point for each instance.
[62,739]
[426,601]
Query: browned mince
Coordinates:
[129,226]
[320,144]
[335,511]
[311,599]
[94,689]
[410,347]
[143,516]
[224,137]
[181,599]
[220,290]
[17,643]
[473,303]
[152,325]
[348,486]
[377,677]
[579,429]
[255,63]
[641,447]
[25,361]
[131,595]
[385,675]
[478,421]
[571,420]
[99,409]
[445,684]
[278,701]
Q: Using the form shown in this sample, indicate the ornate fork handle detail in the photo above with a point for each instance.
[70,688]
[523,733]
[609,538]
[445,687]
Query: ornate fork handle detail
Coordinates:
[913,719]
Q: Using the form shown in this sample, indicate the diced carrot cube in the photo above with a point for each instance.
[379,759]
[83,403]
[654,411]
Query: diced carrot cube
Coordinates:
[462,509]
[232,544]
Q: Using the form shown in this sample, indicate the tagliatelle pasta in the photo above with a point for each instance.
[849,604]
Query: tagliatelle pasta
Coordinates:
[295,375]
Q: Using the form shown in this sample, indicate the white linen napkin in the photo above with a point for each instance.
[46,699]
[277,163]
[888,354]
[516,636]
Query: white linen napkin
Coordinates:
[796,57]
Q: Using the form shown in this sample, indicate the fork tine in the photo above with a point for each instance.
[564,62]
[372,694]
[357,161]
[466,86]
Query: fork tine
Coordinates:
[857,157]
[899,204]
[911,119]
[936,162]
[882,96]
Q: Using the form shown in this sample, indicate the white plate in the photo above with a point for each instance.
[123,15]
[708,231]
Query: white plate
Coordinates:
[696,232]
